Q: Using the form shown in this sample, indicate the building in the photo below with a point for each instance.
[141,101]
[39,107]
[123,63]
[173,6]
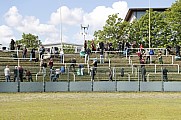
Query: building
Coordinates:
[136,13]
[77,47]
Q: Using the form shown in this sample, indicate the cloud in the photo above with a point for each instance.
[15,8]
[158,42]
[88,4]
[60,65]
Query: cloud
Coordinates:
[97,18]
[68,16]
[12,17]
[71,19]
[30,24]
[6,34]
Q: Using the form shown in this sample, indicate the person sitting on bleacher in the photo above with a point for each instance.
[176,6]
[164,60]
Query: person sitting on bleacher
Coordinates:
[80,70]
[28,75]
[54,74]
[62,69]
[73,63]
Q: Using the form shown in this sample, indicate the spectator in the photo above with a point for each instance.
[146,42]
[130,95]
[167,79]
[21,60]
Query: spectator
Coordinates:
[160,59]
[21,73]
[28,75]
[62,69]
[168,48]
[43,66]
[24,52]
[151,52]
[122,72]
[177,50]
[140,55]
[164,73]
[87,54]
[52,51]
[93,73]
[142,62]
[110,75]
[12,45]
[73,63]
[41,51]
[147,54]
[143,73]
[18,47]
[56,52]
[54,74]
[80,70]
[32,54]
[7,73]
[95,64]
[141,47]
[93,46]
[61,56]
[50,63]
[101,45]
[15,73]
[85,45]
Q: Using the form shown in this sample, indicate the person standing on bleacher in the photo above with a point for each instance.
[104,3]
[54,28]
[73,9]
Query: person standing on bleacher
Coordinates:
[15,73]
[7,73]
[164,73]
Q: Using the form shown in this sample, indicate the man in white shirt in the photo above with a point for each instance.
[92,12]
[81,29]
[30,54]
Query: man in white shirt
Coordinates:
[7,73]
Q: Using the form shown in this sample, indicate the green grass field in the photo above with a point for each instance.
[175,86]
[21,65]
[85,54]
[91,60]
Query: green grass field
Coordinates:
[90,106]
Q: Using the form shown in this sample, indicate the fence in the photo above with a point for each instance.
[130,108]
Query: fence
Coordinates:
[74,81]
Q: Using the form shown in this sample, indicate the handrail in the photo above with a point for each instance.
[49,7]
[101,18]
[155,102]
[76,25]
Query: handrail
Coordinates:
[39,74]
[157,65]
[109,60]
[152,56]
[148,75]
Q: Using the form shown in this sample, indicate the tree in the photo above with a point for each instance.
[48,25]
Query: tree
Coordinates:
[139,30]
[113,31]
[173,19]
[165,28]
[29,40]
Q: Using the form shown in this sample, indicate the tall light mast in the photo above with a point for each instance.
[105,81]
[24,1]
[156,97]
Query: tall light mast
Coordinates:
[149,27]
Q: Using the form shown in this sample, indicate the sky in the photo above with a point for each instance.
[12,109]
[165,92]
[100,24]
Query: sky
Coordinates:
[53,20]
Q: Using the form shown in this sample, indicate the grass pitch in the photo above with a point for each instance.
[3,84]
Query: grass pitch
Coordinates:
[90,106]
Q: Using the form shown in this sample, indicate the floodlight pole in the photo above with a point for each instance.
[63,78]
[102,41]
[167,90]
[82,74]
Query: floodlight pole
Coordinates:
[149,27]
[61,51]
[84,30]
[61,29]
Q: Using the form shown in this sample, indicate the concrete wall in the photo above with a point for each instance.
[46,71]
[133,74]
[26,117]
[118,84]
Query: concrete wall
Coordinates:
[87,86]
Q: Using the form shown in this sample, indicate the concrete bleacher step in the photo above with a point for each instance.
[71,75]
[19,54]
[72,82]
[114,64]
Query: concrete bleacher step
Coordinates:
[117,61]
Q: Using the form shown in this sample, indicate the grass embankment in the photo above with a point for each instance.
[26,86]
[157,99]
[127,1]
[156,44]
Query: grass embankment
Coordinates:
[90,106]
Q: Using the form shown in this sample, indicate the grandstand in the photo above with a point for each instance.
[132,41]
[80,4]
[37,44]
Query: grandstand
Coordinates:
[73,81]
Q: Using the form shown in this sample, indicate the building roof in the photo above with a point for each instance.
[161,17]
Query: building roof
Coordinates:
[131,10]
[55,44]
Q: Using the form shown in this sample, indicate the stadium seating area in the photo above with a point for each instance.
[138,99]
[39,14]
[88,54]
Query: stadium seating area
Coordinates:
[114,61]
